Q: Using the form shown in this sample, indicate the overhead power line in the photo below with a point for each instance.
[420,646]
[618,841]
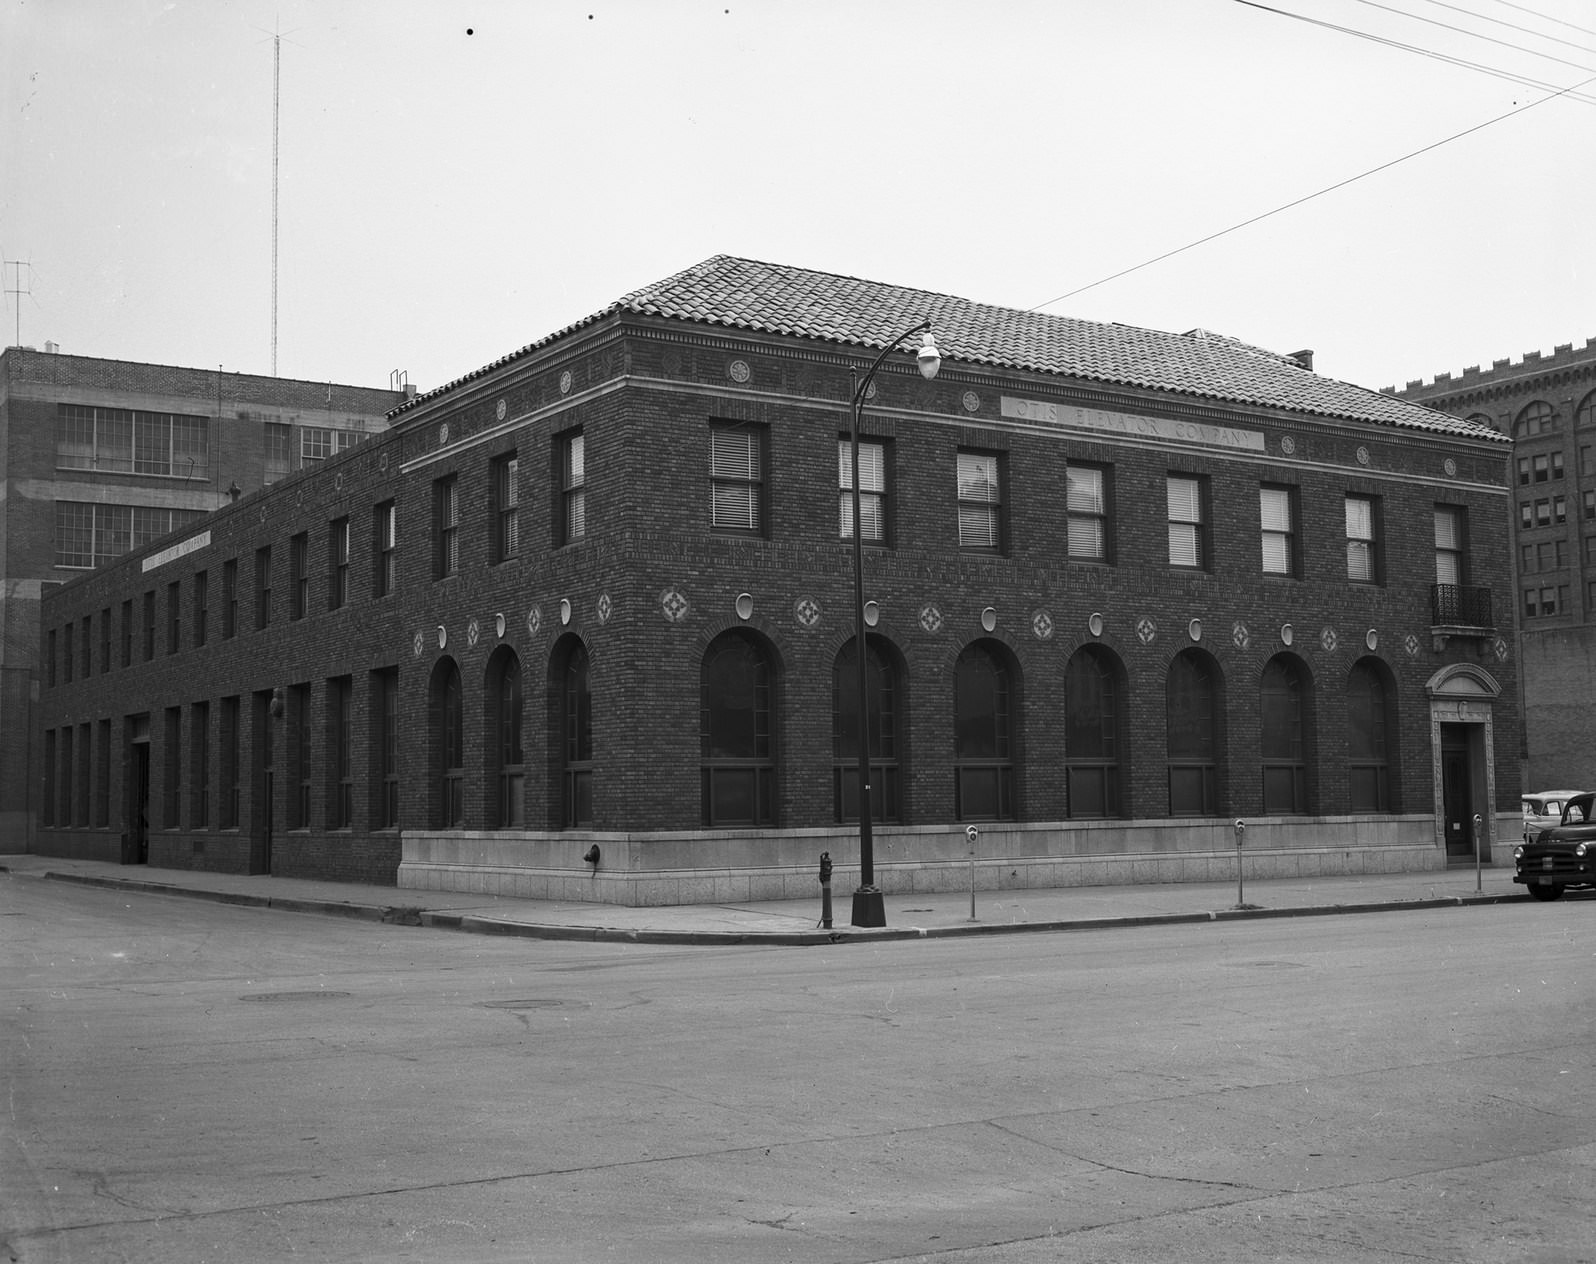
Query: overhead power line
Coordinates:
[1340,184]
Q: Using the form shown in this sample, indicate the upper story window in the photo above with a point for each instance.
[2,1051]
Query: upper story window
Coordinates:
[299,575]
[573,486]
[980,501]
[126,441]
[229,597]
[278,437]
[384,544]
[446,526]
[337,563]
[263,586]
[1086,504]
[1450,543]
[1277,518]
[872,490]
[89,535]
[737,478]
[506,507]
[1362,540]
[317,443]
[202,607]
[1187,522]
[174,615]
[1537,417]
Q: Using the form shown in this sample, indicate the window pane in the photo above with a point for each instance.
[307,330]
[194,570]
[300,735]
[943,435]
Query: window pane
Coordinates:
[978,526]
[1085,490]
[1184,547]
[1185,502]
[733,454]
[1086,537]
[978,477]
[1274,507]
[1276,555]
[733,505]
[1360,560]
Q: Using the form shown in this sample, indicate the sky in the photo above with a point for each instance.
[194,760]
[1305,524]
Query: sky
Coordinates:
[457,180]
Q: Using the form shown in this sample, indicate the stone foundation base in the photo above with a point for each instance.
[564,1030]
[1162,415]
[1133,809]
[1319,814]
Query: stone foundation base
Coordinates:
[733,867]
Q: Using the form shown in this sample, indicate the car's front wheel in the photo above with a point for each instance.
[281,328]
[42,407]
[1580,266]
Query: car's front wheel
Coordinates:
[1545,890]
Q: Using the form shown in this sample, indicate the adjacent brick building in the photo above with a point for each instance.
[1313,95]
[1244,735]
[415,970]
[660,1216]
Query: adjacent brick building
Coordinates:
[99,457]
[1547,405]
[580,624]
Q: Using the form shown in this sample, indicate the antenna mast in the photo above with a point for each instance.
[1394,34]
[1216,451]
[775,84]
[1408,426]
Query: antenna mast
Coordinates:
[277,61]
[14,286]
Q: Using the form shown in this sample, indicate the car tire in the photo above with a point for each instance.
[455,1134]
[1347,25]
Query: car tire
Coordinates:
[1545,890]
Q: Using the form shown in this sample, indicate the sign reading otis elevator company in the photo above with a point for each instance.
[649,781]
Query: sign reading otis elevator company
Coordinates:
[1131,425]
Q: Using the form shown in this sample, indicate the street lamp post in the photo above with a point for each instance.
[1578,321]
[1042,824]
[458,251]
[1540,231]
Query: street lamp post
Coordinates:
[868,906]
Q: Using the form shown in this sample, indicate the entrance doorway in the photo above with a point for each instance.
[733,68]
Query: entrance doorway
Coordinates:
[1457,792]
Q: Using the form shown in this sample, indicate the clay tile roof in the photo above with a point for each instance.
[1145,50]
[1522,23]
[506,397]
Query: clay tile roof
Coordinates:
[778,299]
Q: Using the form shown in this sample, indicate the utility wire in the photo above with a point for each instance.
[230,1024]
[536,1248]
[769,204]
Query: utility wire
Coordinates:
[1489,39]
[1513,26]
[1545,17]
[1510,76]
[1341,184]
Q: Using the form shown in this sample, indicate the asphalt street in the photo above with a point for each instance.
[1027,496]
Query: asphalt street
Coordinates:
[190,1080]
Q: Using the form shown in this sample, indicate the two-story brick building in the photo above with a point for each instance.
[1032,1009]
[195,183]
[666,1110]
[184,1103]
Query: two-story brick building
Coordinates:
[580,624]
[99,457]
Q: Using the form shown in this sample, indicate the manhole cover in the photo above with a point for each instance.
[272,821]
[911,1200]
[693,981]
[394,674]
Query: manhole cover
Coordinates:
[527,1002]
[294,996]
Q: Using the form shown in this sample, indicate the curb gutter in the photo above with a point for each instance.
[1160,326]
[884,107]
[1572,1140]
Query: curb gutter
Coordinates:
[411,915]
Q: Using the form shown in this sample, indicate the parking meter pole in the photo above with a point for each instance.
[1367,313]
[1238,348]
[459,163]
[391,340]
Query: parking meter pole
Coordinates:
[1477,827]
[1241,899]
[825,889]
[970,835]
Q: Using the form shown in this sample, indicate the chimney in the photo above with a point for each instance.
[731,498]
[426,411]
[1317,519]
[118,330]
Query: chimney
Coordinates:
[1303,358]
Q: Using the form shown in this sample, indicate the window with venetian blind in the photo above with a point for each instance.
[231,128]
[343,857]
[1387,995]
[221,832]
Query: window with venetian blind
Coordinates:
[736,478]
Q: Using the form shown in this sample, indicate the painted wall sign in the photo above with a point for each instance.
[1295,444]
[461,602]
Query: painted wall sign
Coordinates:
[1131,424]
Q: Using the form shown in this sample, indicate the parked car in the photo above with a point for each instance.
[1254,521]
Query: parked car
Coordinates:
[1562,855]
[1543,810]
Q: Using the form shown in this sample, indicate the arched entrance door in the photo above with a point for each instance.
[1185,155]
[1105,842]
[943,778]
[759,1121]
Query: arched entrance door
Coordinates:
[1462,744]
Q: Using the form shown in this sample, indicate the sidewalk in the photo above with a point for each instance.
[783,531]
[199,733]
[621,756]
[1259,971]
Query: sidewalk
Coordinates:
[797,921]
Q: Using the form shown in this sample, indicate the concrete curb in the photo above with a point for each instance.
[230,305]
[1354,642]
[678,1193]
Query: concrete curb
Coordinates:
[412,915]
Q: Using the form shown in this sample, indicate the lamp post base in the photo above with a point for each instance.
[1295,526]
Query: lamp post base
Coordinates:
[869,908]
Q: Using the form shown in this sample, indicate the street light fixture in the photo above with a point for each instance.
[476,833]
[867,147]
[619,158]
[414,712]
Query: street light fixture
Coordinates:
[868,907]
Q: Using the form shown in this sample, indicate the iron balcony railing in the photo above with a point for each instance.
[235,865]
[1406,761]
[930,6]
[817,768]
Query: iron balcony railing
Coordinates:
[1460,606]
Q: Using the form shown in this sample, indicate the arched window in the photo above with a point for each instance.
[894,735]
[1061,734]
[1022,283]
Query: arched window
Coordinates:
[1283,737]
[576,741]
[1092,729]
[446,746]
[1191,710]
[1536,417]
[983,737]
[736,724]
[506,755]
[1371,739]
[885,780]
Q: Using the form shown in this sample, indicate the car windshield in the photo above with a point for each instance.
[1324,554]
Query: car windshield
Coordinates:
[1578,809]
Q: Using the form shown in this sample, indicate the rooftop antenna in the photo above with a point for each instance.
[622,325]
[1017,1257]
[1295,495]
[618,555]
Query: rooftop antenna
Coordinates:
[14,286]
[277,63]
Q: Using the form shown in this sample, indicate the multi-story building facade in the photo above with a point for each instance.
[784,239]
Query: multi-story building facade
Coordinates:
[100,457]
[581,624]
[1547,405]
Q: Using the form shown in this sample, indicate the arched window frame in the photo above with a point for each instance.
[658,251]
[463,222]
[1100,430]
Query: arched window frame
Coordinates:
[1193,704]
[985,731]
[1371,738]
[1285,735]
[1094,728]
[885,714]
[737,733]
[446,745]
[506,716]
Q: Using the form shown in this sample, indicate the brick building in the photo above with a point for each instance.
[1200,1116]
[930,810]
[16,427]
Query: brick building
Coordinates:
[579,625]
[99,457]
[1547,405]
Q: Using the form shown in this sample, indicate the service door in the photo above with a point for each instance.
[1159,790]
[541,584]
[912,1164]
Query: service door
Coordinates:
[1457,792]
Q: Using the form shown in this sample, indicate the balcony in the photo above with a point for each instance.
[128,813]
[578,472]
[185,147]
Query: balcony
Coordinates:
[1460,610]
